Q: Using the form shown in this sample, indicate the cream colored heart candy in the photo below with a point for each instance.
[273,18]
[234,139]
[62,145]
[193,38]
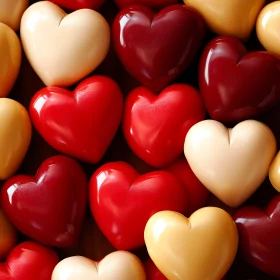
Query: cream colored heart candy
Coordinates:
[15,136]
[61,48]
[11,12]
[231,163]
[201,247]
[229,17]
[119,265]
[10,58]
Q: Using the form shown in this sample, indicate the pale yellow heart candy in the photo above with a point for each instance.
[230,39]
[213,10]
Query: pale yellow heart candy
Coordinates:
[274,172]
[231,163]
[11,12]
[61,48]
[120,265]
[199,248]
[10,59]
[15,136]
[229,17]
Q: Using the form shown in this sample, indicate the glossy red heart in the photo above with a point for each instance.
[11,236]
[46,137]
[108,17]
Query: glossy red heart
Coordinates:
[157,48]
[152,272]
[259,236]
[157,4]
[79,4]
[122,201]
[81,124]
[236,84]
[197,193]
[29,261]
[155,126]
[49,207]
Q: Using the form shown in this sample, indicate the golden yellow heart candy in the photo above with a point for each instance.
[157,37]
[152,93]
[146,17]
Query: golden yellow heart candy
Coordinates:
[201,247]
[120,265]
[10,59]
[274,172]
[15,136]
[11,12]
[229,17]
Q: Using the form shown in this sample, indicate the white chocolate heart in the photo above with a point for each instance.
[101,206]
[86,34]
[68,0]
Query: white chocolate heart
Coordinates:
[11,12]
[61,48]
[231,163]
[120,265]
[201,247]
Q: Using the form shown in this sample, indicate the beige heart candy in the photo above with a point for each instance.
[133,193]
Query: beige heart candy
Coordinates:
[199,248]
[120,265]
[229,17]
[231,163]
[61,48]
[10,59]
[11,12]
[15,136]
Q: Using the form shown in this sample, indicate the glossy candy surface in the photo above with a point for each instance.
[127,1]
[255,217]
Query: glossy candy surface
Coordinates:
[150,3]
[236,84]
[155,126]
[79,4]
[122,201]
[29,261]
[81,124]
[152,272]
[49,207]
[157,48]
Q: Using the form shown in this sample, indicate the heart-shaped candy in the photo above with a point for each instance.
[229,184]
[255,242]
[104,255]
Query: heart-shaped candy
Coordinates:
[122,201]
[79,4]
[15,136]
[201,247]
[236,84]
[81,124]
[152,272]
[157,48]
[10,57]
[155,126]
[49,207]
[11,12]
[58,57]
[259,233]
[29,261]
[231,163]
[229,17]
[118,265]
[274,172]
[157,4]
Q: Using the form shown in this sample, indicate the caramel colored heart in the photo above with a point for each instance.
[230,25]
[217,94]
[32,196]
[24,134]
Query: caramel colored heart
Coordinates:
[15,136]
[11,12]
[119,265]
[274,172]
[267,27]
[229,17]
[231,163]
[10,57]
[201,247]
[63,48]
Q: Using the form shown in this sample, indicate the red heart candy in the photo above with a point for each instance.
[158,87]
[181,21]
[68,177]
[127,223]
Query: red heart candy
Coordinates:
[122,201]
[197,193]
[155,127]
[80,124]
[29,261]
[50,207]
[79,4]
[157,48]
[236,84]
[259,236]
[152,272]
[157,4]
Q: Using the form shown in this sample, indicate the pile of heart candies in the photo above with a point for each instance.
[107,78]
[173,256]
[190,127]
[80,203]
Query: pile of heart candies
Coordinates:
[138,139]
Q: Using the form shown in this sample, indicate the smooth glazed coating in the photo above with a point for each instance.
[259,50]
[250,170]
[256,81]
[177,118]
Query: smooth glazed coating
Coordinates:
[274,172]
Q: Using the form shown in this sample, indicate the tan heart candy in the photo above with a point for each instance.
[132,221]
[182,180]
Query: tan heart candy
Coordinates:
[11,12]
[15,136]
[231,163]
[120,265]
[201,247]
[61,48]
[10,58]
[229,17]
